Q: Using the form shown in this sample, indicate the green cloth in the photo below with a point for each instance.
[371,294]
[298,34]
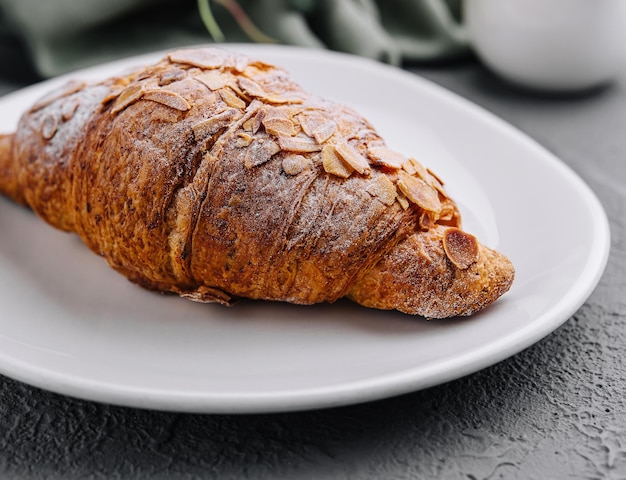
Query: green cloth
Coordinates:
[64,35]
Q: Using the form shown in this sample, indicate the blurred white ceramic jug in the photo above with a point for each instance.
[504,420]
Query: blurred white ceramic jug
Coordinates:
[555,45]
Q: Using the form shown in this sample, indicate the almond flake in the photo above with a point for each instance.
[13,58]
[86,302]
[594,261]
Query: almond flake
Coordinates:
[413,167]
[276,112]
[112,95]
[382,155]
[383,189]
[299,144]
[426,175]
[238,91]
[310,122]
[128,96]
[410,166]
[260,152]
[460,247]
[419,192]
[201,57]
[213,79]
[171,76]
[251,87]
[240,63]
[254,123]
[279,127]
[333,164]
[49,126]
[325,131]
[294,164]
[281,99]
[167,98]
[231,99]
[214,124]
[69,108]
[436,182]
[244,140]
[435,176]
[402,200]
[353,157]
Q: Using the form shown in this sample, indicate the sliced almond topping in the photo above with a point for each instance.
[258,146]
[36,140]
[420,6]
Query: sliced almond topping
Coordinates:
[310,122]
[409,167]
[128,96]
[435,176]
[203,58]
[402,200]
[253,123]
[112,95]
[436,182]
[437,186]
[49,126]
[413,167]
[243,139]
[294,164]
[382,155]
[251,87]
[419,192]
[254,69]
[367,134]
[167,98]
[69,108]
[70,87]
[279,127]
[325,131]
[282,98]
[357,161]
[171,76]
[213,79]
[299,144]
[276,112]
[383,189]
[333,164]
[231,99]
[214,124]
[260,152]
[234,86]
[460,247]
[144,74]
[240,63]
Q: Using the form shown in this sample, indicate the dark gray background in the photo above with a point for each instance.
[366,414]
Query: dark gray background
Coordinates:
[555,410]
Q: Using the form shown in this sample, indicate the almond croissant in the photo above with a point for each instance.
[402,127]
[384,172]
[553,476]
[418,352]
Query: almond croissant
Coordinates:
[215,176]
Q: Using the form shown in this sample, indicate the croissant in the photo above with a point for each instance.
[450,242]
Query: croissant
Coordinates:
[216,177]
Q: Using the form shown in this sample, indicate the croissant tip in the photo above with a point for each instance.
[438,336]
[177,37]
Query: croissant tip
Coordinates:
[417,278]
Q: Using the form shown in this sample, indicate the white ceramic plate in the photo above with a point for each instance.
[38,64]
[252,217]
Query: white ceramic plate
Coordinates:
[71,325]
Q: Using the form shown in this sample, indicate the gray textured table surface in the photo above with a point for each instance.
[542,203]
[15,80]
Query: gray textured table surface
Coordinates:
[556,410]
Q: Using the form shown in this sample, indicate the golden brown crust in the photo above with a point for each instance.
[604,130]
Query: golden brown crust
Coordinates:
[215,177]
